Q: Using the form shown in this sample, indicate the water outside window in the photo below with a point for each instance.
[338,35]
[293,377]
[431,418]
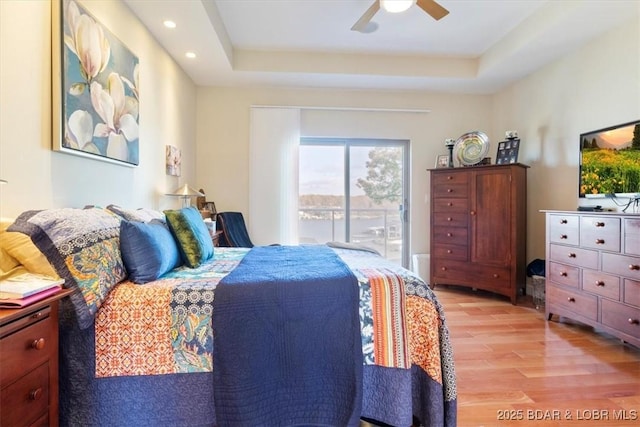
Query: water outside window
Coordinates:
[354,191]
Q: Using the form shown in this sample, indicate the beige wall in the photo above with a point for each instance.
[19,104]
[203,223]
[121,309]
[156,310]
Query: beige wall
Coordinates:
[223,134]
[595,87]
[40,178]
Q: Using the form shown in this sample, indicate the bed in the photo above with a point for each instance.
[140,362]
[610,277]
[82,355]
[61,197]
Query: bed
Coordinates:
[178,350]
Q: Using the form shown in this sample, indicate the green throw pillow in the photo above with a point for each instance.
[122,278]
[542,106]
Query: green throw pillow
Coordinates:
[190,231]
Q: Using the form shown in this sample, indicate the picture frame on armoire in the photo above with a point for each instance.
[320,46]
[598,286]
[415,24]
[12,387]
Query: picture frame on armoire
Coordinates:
[508,151]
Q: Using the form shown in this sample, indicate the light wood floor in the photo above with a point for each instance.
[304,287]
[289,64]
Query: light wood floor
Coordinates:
[515,368]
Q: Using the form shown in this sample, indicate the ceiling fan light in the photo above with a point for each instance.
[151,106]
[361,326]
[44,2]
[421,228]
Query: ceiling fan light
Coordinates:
[396,6]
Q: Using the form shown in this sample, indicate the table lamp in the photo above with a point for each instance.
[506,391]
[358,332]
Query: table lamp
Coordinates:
[186,193]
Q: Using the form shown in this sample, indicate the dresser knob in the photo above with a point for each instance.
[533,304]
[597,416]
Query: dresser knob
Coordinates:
[634,322]
[600,283]
[473,212]
[449,177]
[449,204]
[449,190]
[563,221]
[37,315]
[599,241]
[634,267]
[571,299]
[495,276]
[38,344]
[572,255]
[563,236]
[35,394]
[449,234]
[449,251]
[564,274]
[598,224]
[449,219]
[444,268]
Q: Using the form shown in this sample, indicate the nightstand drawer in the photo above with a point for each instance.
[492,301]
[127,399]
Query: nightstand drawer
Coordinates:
[25,349]
[28,398]
[621,317]
[581,304]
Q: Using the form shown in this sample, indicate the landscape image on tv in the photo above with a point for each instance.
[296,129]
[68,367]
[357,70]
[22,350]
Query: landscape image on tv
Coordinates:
[610,161]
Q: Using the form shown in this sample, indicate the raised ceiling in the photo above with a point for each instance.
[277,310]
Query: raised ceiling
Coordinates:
[479,47]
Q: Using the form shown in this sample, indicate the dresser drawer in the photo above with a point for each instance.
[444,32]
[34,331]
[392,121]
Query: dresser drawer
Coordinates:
[564,274]
[564,229]
[28,398]
[600,233]
[444,251]
[574,256]
[600,283]
[450,219]
[451,190]
[621,317]
[578,303]
[440,179]
[632,236]
[632,292]
[451,236]
[25,349]
[622,265]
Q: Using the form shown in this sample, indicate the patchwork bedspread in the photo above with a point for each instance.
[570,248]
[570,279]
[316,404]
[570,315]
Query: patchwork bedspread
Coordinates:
[164,327]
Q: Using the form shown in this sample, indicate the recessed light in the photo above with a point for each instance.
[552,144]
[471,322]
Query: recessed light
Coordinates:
[190,55]
[169,24]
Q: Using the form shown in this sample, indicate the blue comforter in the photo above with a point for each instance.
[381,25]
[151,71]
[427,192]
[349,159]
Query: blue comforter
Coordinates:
[300,364]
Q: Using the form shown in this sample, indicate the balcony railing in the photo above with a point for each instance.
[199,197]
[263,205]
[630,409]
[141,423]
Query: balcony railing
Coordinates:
[379,229]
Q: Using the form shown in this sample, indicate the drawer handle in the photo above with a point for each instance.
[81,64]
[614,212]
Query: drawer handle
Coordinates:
[449,177]
[449,219]
[35,394]
[564,274]
[599,241]
[449,251]
[598,224]
[449,235]
[473,213]
[444,268]
[634,322]
[37,315]
[572,255]
[563,221]
[571,299]
[495,276]
[600,283]
[449,204]
[563,236]
[449,190]
[634,267]
[38,344]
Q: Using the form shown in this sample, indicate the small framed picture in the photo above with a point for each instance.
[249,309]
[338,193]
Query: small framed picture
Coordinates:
[442,161]
[508,151]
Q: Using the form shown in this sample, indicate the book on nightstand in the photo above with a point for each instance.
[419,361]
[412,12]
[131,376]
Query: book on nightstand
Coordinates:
[27,288]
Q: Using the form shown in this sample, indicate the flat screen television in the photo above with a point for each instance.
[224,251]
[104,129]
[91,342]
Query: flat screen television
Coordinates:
[610,162]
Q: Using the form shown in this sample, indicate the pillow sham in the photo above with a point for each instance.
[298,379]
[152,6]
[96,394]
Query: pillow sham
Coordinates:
[148,250]
[191,234]
[83,245]
[140,214]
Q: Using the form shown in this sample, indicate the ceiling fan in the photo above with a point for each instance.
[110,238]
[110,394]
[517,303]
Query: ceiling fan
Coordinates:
[436,11]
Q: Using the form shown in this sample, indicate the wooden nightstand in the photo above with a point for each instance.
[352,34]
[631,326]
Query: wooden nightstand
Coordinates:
[29,361]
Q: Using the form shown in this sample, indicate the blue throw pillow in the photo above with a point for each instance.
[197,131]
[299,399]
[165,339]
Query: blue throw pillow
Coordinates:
[190,231]
[148,250]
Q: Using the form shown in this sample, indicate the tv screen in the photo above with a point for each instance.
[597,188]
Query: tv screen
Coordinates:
[610,162]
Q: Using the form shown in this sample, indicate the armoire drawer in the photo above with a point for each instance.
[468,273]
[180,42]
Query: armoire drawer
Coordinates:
[621,317]
[450,205]
[445,251]
[451,190]
[574,256]
[451,236]
[450,219]
[485,277]
[576,302]
[449,178]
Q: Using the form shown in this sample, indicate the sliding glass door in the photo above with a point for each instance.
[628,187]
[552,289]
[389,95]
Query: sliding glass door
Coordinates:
[355,191]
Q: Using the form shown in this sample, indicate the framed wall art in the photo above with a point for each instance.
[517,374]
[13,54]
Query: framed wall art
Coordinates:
[173,160]
[508,151]
[95,88]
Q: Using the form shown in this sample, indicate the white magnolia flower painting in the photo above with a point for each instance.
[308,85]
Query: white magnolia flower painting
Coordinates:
[99,91]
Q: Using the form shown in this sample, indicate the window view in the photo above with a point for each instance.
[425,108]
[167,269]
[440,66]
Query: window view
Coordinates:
[369,210]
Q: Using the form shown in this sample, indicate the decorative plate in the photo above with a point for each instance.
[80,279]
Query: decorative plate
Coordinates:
[471,148]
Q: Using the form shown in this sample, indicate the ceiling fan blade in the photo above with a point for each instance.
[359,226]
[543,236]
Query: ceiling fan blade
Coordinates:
[436,11]
[361,25]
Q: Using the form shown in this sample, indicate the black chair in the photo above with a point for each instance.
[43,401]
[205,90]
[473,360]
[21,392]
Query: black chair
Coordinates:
[234,230]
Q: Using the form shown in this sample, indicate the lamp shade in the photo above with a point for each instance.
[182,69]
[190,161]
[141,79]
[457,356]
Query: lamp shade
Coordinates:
[395,6]
[186,193]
